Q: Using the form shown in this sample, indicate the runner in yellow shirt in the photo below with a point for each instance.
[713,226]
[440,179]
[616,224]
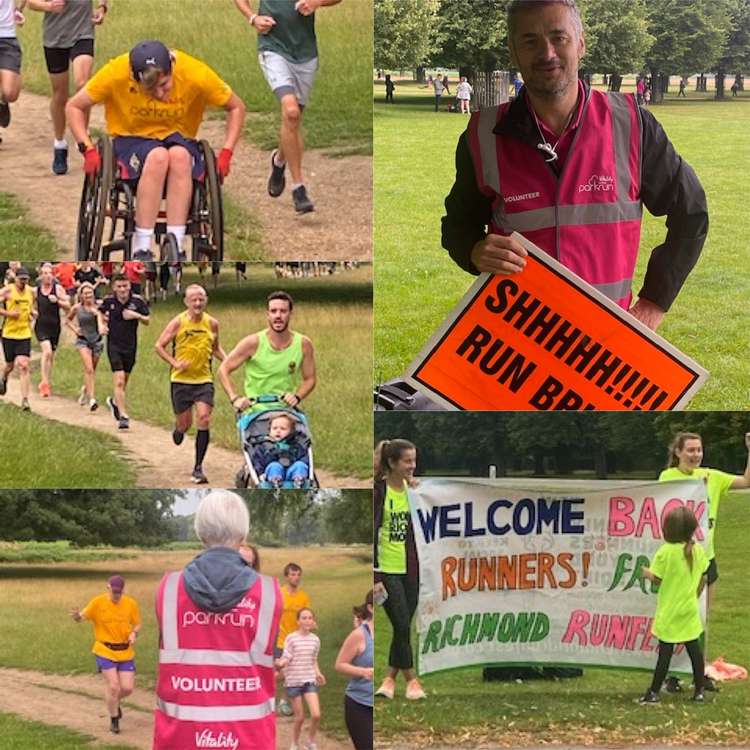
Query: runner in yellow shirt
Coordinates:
[17,307]
[117,621]
[194,336]
[154,99]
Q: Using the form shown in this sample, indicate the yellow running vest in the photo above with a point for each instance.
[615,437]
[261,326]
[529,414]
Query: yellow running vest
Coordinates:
[194,343]
[18,328]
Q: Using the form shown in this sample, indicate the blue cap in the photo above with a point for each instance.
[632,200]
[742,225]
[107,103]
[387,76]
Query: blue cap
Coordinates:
[149,54]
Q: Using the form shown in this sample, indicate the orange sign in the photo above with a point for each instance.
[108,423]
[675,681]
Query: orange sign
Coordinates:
[544,340]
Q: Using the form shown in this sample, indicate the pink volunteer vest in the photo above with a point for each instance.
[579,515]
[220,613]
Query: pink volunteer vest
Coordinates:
[216,678]
[588,218]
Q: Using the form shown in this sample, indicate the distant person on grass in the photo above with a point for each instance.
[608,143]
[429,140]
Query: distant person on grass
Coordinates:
[571,167]
[10,56]
[68,38]
[122,312]
[49,300]
[395,559]
[117,622]
[288,55]
[194,339]
[278,361]
[439,88]
[84,320]
[17,307]
[389,88]
[464,90]
[154,140]
[217,619]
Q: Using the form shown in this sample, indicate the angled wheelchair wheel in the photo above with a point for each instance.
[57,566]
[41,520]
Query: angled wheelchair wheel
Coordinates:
[170,250]
[95,199]
[211,211]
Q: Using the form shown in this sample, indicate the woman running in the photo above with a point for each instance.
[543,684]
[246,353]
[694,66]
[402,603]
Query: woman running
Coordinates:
[49,299]
[83,320]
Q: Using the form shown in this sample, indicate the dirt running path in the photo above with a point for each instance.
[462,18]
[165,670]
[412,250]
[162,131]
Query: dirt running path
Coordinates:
[339,229]
[75,702]
[158,461]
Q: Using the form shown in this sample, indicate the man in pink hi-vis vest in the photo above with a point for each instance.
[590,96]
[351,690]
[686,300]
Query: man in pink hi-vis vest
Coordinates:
[218,620]
[570,168]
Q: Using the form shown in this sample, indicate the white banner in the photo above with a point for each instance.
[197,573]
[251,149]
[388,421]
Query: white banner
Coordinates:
[522,576]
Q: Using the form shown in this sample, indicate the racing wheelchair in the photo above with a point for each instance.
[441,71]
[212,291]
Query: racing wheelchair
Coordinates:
[106,217]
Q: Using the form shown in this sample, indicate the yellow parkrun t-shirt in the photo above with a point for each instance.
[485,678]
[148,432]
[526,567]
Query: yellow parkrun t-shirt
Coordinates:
[677,617]
[130,111]
[22,302]
[292,602]
[717,485]
[194,343]
[392,542]
[113,623]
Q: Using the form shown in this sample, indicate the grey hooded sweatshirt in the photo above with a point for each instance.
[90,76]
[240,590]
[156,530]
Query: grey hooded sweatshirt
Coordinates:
[218,578]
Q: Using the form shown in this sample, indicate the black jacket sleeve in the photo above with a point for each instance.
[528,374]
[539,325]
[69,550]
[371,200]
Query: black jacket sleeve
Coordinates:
[670,187]
[467,211]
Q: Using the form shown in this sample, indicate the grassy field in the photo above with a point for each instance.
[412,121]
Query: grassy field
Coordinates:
[36,598]
[339,409]
[79,456]
[339,115]
[597,708]
[417,283]
[21,239]
[19,734]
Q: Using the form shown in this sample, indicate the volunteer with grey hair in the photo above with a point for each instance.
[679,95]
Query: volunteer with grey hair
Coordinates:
[154,139]
[217,621]
[570,168]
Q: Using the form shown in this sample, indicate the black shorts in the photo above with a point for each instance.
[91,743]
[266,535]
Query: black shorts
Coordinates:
[58,58]
[712,573]
[48,333]
[184,395]
[131,153]
[10,55]
[13,348]
[120,360]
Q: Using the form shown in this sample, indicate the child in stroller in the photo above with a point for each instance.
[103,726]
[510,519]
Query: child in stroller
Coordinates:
[280,460]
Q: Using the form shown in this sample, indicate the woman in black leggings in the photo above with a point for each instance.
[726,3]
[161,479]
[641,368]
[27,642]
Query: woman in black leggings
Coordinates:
[395,556]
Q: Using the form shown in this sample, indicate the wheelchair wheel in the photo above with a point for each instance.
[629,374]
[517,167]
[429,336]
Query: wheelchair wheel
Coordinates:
[170,250]
[94,202]
[242,478]
[211,208]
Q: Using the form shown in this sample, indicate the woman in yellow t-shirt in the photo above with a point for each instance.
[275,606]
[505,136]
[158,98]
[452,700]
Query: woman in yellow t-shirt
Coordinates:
[395,559]
[679,567]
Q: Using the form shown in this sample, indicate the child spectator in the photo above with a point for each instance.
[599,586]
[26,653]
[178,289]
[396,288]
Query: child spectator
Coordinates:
[280,459]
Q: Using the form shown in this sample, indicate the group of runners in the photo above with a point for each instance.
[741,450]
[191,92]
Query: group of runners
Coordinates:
[154,100]
[277,360]
[226,629]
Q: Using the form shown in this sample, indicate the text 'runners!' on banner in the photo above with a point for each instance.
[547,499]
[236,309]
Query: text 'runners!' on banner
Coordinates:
[521,576]
[544,339]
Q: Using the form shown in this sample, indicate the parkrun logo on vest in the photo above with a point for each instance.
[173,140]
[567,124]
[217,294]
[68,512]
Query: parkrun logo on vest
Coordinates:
[597,184]
[208,739]
[216,684]
[234,618]
[523,197]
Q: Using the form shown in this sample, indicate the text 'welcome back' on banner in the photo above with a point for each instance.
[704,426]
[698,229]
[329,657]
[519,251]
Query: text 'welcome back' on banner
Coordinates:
[518,576]
[544,339]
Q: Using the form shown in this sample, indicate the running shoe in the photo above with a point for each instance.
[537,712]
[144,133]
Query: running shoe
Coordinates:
[114,725]
[302,202]
[198,477]
[93,405]
[177,437]
[44,390]
[123,423]
[113,408]
[414,691]
[673,685]
[709,685]
[698,697]
[25,405]
[3,386]
[276,180]
[649,698]
[60,162]
[4,114]
[311,746]
[284,708]
[82,395]
[387,688]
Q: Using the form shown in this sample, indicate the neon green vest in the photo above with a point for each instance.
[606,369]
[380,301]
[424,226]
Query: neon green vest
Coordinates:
[273,371]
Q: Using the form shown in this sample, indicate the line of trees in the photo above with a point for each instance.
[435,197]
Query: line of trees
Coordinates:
[562,443]
[663,37]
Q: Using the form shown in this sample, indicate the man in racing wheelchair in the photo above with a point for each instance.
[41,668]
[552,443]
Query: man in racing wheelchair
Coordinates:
[154,99]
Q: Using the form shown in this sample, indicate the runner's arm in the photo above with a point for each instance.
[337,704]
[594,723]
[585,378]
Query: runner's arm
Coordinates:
[4,294]
[70,317]
[350,649]
[262,24]
[62,297]
[308,371]
[742,482]
[76,110]
[244,350]
[308,7]
[165,338]
[218,352]
[235,109]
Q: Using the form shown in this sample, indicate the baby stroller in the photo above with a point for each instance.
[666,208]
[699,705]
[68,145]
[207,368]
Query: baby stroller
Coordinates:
[253,427]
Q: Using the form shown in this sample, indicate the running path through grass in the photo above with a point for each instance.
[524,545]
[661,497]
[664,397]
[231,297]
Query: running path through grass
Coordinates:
[158,461]
[339,229]
[75,702]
